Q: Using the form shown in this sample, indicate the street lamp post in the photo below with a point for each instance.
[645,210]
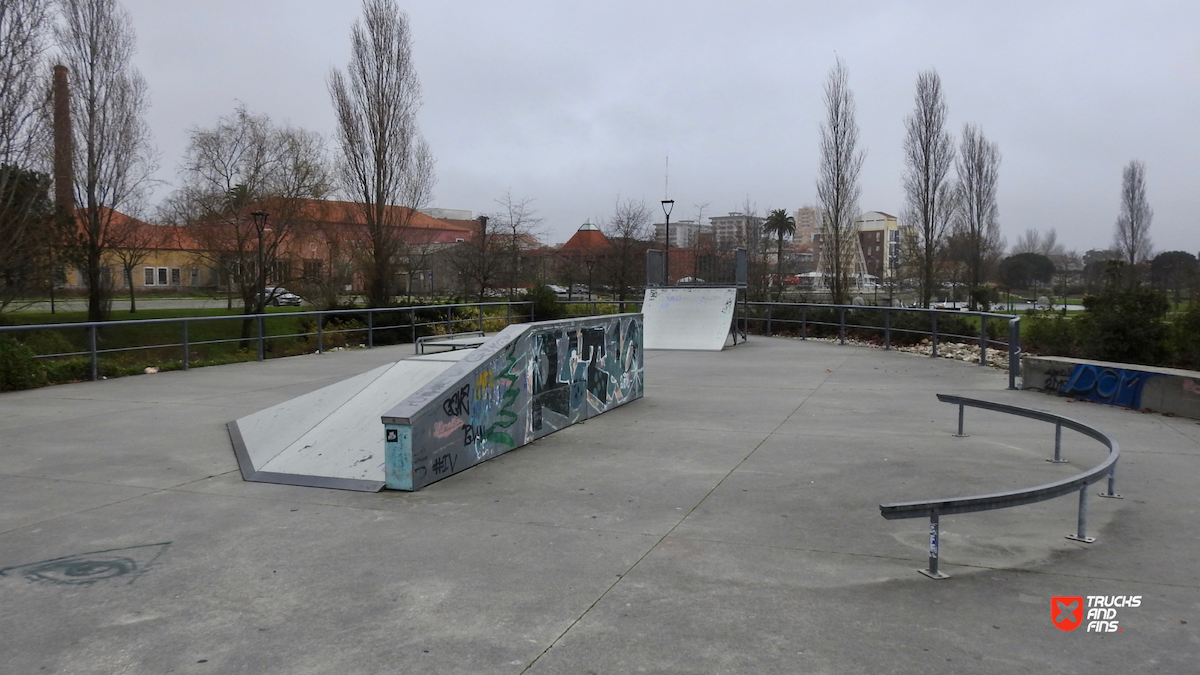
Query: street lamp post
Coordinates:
[260,223]
[667,206]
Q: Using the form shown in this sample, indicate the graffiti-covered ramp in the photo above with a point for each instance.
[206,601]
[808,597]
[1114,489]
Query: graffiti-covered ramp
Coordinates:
[416,421]
[332,437]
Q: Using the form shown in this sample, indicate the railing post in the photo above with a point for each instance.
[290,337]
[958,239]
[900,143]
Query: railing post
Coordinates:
[804,323]
[481,317]
[261,337]
[1057,446]
[1081,531]
[370,328]
[960,433]
[887,329]
[1112,484]
[186,348]
[412,324]
[449,318]
[769,331]
[842,325]
[320,333]
[933,333]
[95,357]
[1014,351]
[982,339]
[933,572]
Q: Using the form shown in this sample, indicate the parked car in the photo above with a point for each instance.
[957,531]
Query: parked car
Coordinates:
[278,295]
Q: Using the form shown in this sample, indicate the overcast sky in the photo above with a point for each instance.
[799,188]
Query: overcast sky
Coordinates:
[573,104]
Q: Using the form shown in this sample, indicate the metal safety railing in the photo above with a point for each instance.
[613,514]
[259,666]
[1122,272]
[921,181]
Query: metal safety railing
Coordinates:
[456,315]
[782,315]
[933,508]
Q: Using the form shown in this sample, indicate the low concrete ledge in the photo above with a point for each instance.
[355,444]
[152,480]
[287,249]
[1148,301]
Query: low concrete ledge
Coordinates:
[1164,390]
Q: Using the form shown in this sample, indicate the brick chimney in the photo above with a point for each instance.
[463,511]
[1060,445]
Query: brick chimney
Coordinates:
[64,148]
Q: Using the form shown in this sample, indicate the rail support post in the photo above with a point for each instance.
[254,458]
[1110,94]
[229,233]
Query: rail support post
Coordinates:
[1058,446]
[186,346]
[933,336]
[887,329]
[261,338]
[982,339]
[960,433]
[842,326]
[769,331]
[933,572]
[320,333]
[1081,531]
[1014,351]
[804,323]
[93,355]
[1112,484]
[370,329]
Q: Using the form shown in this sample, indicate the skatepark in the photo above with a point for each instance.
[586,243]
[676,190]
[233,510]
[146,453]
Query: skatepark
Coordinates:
[727,521]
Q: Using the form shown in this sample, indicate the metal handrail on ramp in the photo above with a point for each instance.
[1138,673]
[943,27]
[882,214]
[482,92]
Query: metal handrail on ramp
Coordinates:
[933,508]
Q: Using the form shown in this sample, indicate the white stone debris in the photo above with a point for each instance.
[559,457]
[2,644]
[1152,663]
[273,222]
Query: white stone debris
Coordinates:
[997,357]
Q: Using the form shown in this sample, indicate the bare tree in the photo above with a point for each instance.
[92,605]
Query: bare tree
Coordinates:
[480,261]
[1034,241]
[628,233]
[837,183]
[385,160]
[517,225]
[978,217]
[246,164]
[24,27]
[131,241]
[929,195]
[1132,236]
[113,157]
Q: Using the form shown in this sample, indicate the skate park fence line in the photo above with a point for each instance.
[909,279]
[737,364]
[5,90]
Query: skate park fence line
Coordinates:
[772,316]
[409,322]
[933,508]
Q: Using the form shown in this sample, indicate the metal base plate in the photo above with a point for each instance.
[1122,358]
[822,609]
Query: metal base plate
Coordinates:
[1085,540]
[932,575]
[961,435]
[1059,461]
[1108,496]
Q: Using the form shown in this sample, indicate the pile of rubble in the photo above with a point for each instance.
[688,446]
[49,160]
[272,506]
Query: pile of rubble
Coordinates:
[959,351]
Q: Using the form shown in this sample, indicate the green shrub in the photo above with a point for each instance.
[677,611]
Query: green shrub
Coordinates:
[48,342]
[1050,333]
[545,303]
[1186,337]
[19,367]
[1125,325]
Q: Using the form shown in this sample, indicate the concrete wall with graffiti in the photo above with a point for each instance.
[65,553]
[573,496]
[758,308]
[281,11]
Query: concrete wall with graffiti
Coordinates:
[528,381]
[1166,390]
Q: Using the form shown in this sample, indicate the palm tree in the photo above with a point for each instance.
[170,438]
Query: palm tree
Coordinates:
[779,224]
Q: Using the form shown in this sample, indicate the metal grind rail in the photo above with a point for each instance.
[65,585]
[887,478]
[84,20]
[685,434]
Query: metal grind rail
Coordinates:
[933,508]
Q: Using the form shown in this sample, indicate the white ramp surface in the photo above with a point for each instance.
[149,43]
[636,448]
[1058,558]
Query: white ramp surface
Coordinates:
[688,318]
[332,437]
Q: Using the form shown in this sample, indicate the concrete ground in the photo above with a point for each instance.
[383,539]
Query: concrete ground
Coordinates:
[726,523]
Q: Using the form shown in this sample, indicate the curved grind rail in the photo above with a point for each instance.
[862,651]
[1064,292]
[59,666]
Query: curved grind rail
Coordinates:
[933,508]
